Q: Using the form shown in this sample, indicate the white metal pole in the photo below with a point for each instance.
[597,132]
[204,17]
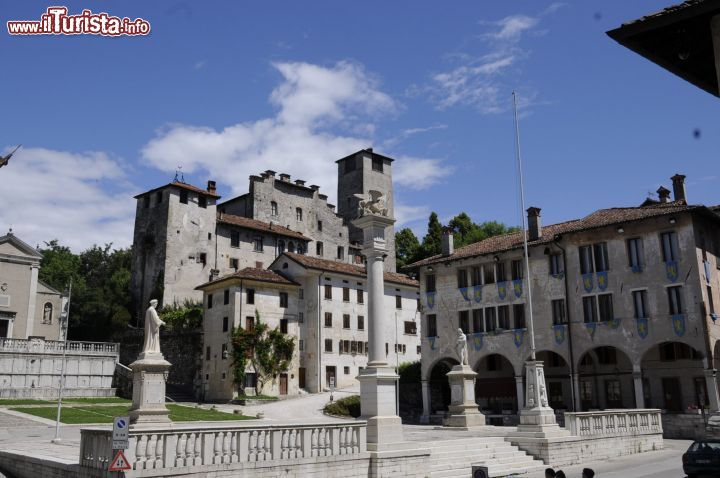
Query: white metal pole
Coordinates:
[531,328]
[62,369]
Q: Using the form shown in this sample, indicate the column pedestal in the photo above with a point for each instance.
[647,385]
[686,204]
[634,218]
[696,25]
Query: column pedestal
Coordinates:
[377,405]
[150,372]
[537,419]
[464,411]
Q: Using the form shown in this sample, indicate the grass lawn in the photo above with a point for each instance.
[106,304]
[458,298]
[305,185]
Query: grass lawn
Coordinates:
[7,402]
[104,414]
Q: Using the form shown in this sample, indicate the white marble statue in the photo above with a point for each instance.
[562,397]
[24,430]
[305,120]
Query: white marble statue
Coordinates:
[152,329]
[377,204]
[461,347]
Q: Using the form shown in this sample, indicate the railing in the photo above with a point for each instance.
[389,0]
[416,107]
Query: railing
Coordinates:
[57,346]
[609,423]
[202,445]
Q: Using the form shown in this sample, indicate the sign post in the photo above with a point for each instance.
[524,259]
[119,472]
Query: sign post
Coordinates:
[121,435]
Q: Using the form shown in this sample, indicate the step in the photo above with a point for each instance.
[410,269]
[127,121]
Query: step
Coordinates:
[477,458]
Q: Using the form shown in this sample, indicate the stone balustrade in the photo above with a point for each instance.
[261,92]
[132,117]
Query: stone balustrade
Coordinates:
[57,346]
[195,445]
[609,423]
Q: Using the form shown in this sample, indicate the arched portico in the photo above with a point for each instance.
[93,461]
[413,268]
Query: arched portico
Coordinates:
[437,384]
[495,386]
[673,378]
[605,379]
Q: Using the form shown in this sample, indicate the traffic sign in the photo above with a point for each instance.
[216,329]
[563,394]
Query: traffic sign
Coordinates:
[119,463]
[121,436]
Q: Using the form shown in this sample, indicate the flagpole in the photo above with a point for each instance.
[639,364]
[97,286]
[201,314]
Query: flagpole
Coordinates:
[62,372]
[531,328]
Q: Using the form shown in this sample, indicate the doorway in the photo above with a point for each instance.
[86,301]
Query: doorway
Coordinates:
[283,384]
[671,393]
[4,328]
[301,377]
[330,376]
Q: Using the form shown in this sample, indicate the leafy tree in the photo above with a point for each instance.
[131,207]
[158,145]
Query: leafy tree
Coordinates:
[187,316]
[268,350]
[407,247]
[432,242]
[100,277]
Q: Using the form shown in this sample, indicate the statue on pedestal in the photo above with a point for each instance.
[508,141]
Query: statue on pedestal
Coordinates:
[152,329]
[461,347]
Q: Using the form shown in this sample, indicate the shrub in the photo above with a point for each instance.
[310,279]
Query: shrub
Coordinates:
[345,407]
[409,372]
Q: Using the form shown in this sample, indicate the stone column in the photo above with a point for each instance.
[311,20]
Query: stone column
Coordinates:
[639,392]
[575,378]
[520,391]
[378,381]
[426,402]
[712,390]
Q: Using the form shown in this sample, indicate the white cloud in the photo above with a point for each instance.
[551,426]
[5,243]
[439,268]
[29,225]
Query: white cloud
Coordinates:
[513,26]
[418,173]
[199,64]
[79,198]
[407,215]
[485,81]
[304,138]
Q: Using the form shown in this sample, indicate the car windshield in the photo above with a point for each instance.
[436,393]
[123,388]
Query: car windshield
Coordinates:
[705,446]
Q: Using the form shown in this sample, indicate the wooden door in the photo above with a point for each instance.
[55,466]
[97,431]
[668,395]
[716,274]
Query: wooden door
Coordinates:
[4,328]
[672,395]
[283,384]
[330,376]
[301,377]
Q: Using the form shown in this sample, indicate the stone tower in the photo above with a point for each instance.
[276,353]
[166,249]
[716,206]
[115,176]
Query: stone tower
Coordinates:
[173,243]
[359,173]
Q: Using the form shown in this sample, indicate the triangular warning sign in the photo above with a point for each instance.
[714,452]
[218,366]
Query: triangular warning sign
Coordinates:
[119,463]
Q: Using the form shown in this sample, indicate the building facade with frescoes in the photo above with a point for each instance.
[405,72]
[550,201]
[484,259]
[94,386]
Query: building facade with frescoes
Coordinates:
[624,309]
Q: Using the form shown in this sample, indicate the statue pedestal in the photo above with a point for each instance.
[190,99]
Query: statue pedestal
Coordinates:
[463,409]
[150,372]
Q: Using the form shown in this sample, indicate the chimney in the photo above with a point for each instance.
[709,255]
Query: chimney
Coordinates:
[300,182]
[447,242]
[663,194]
[369,150]
[534,223]
[270,173]
[285,177]
[679,187]
[212,188]
[314,187]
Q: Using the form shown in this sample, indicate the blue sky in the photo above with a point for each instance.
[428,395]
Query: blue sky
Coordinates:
[229,89]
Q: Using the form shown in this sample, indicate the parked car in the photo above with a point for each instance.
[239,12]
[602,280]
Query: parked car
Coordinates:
[702,458]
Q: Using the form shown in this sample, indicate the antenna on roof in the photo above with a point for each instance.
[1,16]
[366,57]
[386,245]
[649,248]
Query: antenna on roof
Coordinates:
[179,176]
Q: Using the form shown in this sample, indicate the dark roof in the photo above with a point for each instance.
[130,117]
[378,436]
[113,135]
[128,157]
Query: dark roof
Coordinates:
[599,218]
[368,151]
[253,274]
[256,225]
[679,39]
[181,185]
[348,269]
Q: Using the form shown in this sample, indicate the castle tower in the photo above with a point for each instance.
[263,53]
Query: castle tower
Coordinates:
[173,243]
[360,173]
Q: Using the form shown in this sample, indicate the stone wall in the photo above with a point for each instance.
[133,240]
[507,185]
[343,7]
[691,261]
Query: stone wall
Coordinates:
[683,426]
[32,369]
[182,349]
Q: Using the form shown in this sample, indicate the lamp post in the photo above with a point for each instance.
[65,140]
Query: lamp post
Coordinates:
[64,317]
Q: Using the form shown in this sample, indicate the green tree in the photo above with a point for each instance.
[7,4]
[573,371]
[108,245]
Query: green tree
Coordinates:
[407,247]
[187,316]
[268,350]
[432,242]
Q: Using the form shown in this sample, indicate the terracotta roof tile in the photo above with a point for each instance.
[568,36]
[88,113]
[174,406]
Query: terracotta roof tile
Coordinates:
[256,225]
[255,274]
[349,269]
[600,218]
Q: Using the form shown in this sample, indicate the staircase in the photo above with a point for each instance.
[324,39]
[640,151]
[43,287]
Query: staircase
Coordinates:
[454,458]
